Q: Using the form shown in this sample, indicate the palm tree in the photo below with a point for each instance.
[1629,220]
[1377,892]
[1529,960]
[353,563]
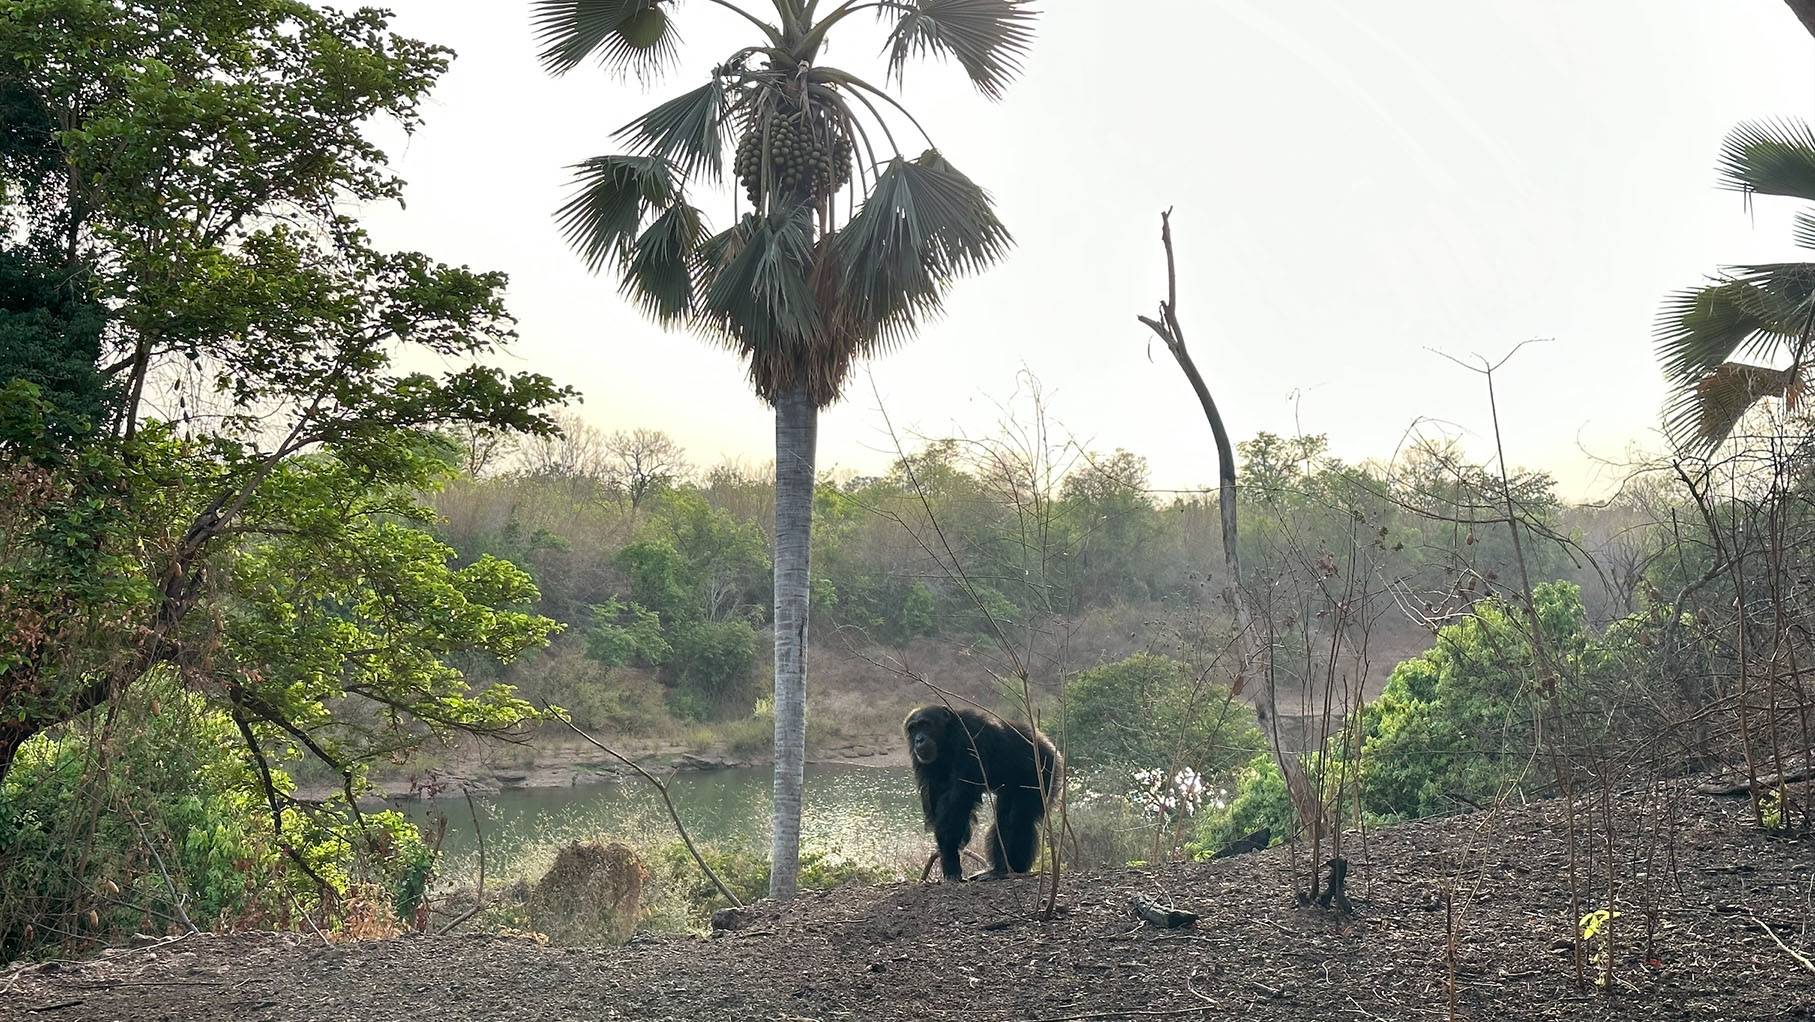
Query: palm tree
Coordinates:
[847,246]
[1744,336]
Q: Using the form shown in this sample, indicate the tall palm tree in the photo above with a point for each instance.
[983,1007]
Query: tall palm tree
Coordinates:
[1745,335]
[846,246]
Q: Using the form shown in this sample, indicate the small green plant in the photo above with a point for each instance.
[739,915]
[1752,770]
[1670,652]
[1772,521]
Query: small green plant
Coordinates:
[1599,923]
[1770,810]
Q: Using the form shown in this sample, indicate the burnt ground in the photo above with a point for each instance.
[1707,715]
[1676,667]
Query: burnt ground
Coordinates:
[978,951]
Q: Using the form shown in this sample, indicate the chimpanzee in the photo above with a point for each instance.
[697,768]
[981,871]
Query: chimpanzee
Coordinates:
[960,754]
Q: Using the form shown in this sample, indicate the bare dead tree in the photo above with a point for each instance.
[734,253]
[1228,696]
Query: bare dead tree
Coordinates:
[640,462]
[1264,697]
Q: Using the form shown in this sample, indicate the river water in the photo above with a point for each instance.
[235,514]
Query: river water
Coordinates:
[871,814]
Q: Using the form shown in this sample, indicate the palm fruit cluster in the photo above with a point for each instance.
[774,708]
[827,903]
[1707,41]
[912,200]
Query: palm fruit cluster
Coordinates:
[807,158]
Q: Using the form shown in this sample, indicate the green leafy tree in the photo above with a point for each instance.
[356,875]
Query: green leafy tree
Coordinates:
[627,633]
[1744,337]
[242,511]
[1150,711]
[714,666]
[797,291]
[1107,500]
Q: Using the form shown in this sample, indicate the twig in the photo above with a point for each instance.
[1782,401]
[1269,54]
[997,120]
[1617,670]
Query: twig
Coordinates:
[1801,959]
[176,898]
[478,898]
[661,789]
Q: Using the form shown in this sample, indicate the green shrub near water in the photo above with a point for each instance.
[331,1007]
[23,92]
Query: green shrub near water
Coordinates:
[1453,725]
[1148,711]
[92,820]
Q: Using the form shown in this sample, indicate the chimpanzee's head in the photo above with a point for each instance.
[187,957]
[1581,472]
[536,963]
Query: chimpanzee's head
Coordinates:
[927,728]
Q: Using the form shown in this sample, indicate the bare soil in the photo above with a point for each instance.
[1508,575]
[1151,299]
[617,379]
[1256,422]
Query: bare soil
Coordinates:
[1704,899]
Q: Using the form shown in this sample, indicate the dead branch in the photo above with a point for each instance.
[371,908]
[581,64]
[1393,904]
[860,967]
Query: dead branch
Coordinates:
[1166,326]
[1801,959]
[661,789]
[479,897]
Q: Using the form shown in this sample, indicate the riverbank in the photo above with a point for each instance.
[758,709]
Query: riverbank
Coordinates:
[1466,917]
[558,759]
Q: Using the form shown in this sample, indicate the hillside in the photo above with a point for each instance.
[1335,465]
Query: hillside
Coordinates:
[978,951]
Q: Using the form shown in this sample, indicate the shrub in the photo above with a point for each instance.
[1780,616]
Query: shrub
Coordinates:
[623,634]
[1146,711]
[1457,720]
[1259,800]
[713,667]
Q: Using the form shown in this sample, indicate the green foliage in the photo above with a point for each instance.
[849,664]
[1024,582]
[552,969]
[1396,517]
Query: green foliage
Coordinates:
[627,633]
[658,578]
[1260,800]
[746,873]
[1150,710]
[178,788]
[50,338]
[714,667]
[271,555]
[1719,344]
[1458,720]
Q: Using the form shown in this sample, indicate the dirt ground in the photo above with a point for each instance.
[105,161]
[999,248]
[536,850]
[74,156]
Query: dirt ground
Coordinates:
[1724,897]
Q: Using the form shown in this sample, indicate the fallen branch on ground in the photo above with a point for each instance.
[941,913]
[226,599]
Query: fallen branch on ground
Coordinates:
[1163,916]
[1801,959]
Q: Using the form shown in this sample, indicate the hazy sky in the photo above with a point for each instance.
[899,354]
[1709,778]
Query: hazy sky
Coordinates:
[1355,184]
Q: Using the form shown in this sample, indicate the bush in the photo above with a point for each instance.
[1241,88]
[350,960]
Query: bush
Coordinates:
[713,667]
[623,699]
[77,818]
[1457,720]
[1144,712]
[1260,800]
[623,634]
[82,813]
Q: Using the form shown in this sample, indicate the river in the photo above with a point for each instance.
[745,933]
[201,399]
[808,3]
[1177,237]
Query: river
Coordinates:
[868,814]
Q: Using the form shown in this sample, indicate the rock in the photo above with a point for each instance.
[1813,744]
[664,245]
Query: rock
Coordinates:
[689,761]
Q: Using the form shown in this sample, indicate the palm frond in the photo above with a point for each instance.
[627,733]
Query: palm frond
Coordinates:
[1804,229]
[658,273]
[1699,418]
[987,38]
[922,224]
[687,131]
[627,35]
[612,198]
[1701,329]
[756,287]
[1770,158]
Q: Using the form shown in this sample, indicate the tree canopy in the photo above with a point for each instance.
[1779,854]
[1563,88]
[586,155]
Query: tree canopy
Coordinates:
[211,456]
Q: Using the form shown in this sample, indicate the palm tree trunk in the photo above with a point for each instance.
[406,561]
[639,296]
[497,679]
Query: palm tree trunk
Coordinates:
[796,437]
[1805,12]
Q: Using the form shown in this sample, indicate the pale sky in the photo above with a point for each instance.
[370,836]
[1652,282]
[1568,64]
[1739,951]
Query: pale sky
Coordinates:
[1355,184]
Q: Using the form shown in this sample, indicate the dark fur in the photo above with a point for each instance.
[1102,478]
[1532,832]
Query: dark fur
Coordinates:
[961,754]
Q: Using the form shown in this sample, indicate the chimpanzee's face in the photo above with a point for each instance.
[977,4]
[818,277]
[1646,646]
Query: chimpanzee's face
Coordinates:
[924,727]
